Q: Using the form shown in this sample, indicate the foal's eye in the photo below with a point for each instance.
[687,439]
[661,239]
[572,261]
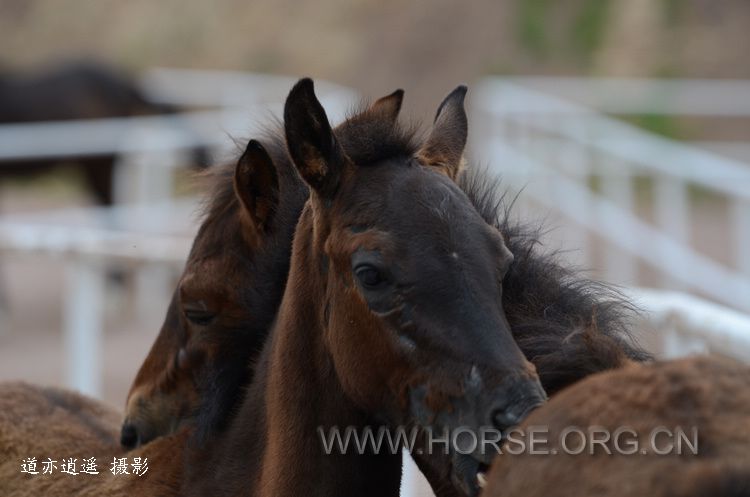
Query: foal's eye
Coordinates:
[369,276]
[199,317]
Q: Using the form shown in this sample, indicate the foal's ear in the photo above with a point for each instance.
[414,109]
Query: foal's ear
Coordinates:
[257,186]
[444,147]
[389,106]
[312,145]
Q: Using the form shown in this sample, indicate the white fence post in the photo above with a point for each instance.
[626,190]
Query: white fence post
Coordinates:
[618,185]
[146,177]
[413,482]
[83,316]
[672,215]
[676,344]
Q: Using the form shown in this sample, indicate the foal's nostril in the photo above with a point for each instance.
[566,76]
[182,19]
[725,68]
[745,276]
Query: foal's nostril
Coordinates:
[129,436]
[503,419]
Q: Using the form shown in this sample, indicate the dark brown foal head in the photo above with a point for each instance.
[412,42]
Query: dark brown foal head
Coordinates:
[226,299]
[409,276]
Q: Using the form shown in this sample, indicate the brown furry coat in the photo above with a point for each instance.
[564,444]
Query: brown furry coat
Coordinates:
[46,422]
[709,393]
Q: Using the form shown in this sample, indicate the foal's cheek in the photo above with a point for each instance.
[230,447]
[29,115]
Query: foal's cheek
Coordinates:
[357,353]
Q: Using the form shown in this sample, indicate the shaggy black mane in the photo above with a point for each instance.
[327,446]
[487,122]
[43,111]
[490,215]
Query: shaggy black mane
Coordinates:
[567,325]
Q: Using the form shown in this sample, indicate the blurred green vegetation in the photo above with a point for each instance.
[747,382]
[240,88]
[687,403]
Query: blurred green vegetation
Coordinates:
[589,27]
[673,11]
[583,35]
[664,125]
[532,26]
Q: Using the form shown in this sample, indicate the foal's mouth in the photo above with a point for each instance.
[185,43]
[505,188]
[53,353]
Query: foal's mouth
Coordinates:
[470,474]
[481,478]
[482,475]
[470,470]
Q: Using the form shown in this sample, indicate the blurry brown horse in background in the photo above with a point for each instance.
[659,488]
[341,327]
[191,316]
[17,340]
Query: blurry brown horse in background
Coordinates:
[75,90]
[660,404]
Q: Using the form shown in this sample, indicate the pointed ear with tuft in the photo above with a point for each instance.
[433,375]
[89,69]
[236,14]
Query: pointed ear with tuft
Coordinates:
[389,106]
[312,145]
[445,145]
[256,185]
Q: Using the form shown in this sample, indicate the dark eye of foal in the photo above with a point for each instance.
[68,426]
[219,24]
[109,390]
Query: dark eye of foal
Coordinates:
[369,276]
[199,317]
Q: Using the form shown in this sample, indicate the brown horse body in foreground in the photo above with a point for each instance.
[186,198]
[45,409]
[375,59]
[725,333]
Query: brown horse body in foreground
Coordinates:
[544,303]
[661,404]
[39,422]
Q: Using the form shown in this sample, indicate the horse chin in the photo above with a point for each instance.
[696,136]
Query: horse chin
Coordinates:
[468,474]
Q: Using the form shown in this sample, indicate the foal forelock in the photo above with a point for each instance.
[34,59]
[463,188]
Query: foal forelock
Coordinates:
[368,140]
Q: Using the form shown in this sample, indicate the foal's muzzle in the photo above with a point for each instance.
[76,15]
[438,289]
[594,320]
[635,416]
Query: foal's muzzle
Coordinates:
[488,412]
[129,436]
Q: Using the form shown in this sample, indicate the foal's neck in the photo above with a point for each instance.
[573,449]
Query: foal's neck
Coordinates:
[273,447]
[303,394]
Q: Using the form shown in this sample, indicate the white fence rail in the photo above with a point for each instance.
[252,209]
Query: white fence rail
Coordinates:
[554,148]
[695,97]
[680,324]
